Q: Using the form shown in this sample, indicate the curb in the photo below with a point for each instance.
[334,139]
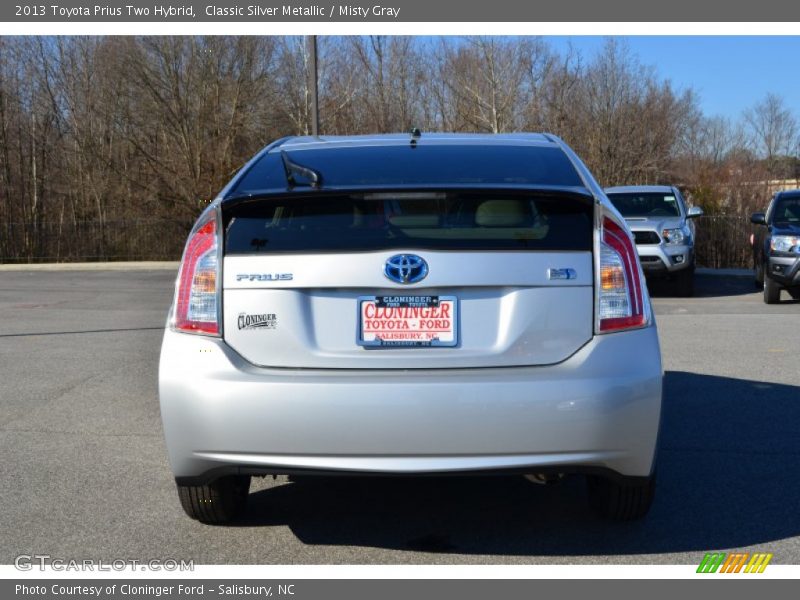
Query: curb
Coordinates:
[94,266]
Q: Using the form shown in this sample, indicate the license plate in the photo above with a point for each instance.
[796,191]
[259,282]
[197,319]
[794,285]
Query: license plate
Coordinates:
[392,321]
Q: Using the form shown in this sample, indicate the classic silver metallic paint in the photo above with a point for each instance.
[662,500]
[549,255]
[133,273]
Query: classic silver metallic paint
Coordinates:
[530,386]
[600,407]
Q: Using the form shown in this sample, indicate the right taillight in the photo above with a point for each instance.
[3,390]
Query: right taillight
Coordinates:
[621,296]
[196,307]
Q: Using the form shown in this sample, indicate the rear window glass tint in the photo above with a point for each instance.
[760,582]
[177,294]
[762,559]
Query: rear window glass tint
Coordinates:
[405,165]
[450,221]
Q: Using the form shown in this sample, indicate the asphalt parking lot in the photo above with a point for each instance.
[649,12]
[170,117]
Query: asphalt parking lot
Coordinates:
[83,469]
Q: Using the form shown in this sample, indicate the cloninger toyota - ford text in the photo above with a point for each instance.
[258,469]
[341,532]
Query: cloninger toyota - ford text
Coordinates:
[411,304]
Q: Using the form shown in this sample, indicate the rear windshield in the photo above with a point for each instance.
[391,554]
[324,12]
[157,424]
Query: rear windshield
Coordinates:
[649,204]
[424,165]
[451,221]
[787,210]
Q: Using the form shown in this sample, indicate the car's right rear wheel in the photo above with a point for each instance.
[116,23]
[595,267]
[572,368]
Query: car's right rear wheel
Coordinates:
[217,502]
[772,291]
[621,500]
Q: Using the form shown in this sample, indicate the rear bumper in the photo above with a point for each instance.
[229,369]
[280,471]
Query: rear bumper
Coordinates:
[598,410]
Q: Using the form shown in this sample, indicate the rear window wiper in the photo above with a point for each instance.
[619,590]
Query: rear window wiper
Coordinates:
[292,168]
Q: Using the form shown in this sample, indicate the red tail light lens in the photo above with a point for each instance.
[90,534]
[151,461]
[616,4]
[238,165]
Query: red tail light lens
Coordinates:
[622,303]
[196,297]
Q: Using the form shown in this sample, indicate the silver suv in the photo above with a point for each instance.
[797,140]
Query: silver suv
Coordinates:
[408,304]
[663,229]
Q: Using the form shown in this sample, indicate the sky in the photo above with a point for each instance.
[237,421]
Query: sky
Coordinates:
[729,73]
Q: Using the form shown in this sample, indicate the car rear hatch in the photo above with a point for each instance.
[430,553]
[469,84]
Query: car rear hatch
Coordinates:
[408,279]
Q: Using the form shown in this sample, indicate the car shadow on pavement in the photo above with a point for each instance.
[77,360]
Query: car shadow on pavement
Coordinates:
[728,478]
[706,286]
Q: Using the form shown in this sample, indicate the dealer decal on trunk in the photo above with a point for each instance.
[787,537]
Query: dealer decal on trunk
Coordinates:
[262,321]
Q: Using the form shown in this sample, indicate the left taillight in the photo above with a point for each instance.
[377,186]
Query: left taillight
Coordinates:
[622,301]
[196,307]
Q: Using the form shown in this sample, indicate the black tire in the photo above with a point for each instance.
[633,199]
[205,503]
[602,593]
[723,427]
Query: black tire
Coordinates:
[623,500]
[772,291]
[759,275]
[684,283]
[795,293]
[218,502]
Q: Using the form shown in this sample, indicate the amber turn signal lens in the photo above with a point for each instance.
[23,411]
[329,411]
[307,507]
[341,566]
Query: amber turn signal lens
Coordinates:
[612,278]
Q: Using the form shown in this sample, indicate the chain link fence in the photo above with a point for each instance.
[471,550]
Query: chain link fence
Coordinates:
[722,241]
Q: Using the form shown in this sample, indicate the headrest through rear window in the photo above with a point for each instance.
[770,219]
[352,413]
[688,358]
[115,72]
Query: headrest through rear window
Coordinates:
[502,213]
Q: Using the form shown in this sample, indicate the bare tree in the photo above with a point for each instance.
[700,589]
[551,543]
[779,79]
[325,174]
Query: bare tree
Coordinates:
[387,79]
[774,130]
[486,78]
[624,121]
[208,94]
[99,132]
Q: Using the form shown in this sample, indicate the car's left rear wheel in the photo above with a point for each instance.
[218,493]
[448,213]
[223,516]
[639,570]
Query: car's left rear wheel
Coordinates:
[217,502]
[621,500]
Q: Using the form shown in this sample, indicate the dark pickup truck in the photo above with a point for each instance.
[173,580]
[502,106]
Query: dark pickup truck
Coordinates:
[776,246]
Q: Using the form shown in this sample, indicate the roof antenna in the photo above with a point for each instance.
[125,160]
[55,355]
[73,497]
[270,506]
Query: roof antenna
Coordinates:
[415,135]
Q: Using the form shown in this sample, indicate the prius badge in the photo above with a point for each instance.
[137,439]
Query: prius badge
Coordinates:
[264,277]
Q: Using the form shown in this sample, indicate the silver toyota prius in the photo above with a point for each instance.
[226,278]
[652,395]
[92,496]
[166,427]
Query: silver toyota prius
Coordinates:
[411,304]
